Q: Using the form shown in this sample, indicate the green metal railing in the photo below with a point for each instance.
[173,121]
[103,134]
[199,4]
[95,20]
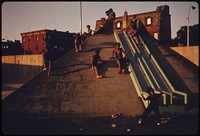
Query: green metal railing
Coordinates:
[164,76]
[136,52]
[132,74]
[165,93]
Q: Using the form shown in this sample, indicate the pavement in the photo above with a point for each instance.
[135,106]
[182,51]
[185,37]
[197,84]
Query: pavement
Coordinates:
[73,101]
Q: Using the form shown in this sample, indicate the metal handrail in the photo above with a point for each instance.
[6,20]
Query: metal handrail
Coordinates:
[142,59]
[132,74]
[163,74]
[165,93]
[140,62]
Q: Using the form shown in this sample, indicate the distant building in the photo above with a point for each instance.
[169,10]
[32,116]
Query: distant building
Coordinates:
[11,48]
[33,42]
[157,23]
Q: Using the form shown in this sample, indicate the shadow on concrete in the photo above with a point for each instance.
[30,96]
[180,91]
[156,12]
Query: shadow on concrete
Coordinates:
[188,64]
[99,48]
[178,81]
[56,73]
[109,43]
[67,66]
[193,101]
[105,66]
[124,125]
[7,87]
[16,73]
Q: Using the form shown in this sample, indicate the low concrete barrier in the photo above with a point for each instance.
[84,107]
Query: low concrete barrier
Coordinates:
[33,60]
[19,69]
[191,53]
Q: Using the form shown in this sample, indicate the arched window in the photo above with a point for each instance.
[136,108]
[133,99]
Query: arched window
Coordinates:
[149,21]
[119,25]
[155,35]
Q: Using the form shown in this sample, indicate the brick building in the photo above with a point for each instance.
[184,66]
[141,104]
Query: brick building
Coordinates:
[33,42]
[11,48]
[157,23]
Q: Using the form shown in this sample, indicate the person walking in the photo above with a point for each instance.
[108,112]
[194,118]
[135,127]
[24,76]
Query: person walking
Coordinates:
[95,65]
[134,29]
[78,42]
[48,56]
[153,106]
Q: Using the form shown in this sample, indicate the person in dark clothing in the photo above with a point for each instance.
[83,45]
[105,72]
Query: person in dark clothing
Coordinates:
[107,26]
[89,32]
[78,42]
[44,50]
[95,65]
[120,59]
[48,59]
[134,29]
[111,14]
[153,106]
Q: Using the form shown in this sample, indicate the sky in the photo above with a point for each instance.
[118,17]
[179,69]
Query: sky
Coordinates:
[18,17]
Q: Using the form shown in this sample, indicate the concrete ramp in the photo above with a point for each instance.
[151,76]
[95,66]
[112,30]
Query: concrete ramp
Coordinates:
[74,91]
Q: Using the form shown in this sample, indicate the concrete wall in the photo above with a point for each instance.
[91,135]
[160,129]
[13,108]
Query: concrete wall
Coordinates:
[191,53]
[20,68]
[33,60]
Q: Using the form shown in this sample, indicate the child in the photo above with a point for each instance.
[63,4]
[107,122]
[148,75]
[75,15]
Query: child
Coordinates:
[48,59]
[121,61]
[78,42]
[153,106]
[88,33]
[95,65]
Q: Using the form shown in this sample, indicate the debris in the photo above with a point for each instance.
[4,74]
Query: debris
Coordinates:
[113,125]
[128,129]
[117,115]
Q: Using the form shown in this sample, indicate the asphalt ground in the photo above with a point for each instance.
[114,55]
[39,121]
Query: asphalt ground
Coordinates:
[123,125]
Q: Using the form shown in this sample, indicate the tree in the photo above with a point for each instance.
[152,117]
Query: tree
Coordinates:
[181,38]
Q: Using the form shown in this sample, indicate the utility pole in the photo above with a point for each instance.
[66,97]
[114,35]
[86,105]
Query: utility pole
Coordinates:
[81,17]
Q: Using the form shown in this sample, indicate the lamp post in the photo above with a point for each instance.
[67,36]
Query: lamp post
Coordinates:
[81,17]
[188,25]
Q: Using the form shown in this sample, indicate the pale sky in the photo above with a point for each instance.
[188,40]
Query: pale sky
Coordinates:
[19,17]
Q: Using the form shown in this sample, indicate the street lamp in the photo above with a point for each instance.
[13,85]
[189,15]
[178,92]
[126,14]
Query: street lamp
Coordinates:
[188,25]
[81,16]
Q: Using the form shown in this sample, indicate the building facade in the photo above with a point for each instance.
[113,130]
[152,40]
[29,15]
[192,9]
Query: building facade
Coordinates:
[33,42]
[157,23]
[11,48]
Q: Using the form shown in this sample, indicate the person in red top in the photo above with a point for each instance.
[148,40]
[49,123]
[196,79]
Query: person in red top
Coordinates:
[153,106]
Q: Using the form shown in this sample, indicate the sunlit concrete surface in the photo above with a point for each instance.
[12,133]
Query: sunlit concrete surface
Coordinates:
[73,101]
